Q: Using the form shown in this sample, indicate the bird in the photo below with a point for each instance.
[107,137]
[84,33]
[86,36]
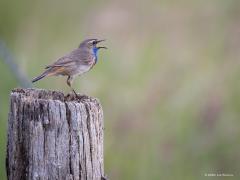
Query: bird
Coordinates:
[75,63]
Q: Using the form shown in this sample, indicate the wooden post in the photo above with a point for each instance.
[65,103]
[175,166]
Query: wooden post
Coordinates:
[52,137]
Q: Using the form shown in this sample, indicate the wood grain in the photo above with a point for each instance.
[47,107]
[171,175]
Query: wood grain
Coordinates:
[54,137]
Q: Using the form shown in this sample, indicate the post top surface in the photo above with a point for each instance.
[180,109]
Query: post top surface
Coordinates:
[33,93]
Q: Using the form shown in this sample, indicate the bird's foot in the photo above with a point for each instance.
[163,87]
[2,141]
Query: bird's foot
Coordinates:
[79,97]
[74,97]
[82,97]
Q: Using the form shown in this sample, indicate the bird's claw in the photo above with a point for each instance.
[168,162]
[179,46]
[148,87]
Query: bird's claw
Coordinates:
[79,97]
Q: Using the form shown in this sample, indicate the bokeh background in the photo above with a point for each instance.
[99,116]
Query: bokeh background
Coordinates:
[169,83]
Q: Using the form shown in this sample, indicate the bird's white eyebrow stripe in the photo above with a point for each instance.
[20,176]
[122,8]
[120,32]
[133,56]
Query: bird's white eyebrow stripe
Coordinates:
[93,40]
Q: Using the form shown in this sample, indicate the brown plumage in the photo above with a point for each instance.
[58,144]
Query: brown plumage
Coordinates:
[74,63]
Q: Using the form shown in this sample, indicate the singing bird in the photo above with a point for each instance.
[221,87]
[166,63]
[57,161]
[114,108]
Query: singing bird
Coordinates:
[75,63]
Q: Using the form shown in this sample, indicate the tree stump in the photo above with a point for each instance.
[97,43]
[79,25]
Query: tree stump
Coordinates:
[52,137]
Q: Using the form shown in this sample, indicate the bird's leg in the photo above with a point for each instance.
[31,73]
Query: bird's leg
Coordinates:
[75,92]
[69,83]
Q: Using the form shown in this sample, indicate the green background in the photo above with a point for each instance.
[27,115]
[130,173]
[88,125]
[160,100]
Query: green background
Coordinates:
[169,83]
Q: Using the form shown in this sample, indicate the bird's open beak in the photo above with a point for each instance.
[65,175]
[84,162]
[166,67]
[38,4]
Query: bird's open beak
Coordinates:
[103,47]
[98,41]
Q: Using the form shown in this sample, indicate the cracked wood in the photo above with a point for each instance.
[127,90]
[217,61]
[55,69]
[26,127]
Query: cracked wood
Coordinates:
[54,137]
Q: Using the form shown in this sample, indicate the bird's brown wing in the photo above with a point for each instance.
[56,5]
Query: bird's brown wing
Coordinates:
[76,57]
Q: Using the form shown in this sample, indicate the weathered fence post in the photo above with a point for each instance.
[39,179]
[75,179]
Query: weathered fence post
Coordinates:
[52,137]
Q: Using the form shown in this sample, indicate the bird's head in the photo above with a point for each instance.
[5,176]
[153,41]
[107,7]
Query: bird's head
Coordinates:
[92,44]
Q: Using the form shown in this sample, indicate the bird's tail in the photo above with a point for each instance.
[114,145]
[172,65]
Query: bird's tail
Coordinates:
[40,77]
[49,72]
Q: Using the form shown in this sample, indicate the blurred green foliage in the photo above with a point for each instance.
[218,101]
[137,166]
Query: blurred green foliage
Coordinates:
[169,83]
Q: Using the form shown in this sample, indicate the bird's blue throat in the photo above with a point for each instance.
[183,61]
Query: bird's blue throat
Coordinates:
[95,51]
